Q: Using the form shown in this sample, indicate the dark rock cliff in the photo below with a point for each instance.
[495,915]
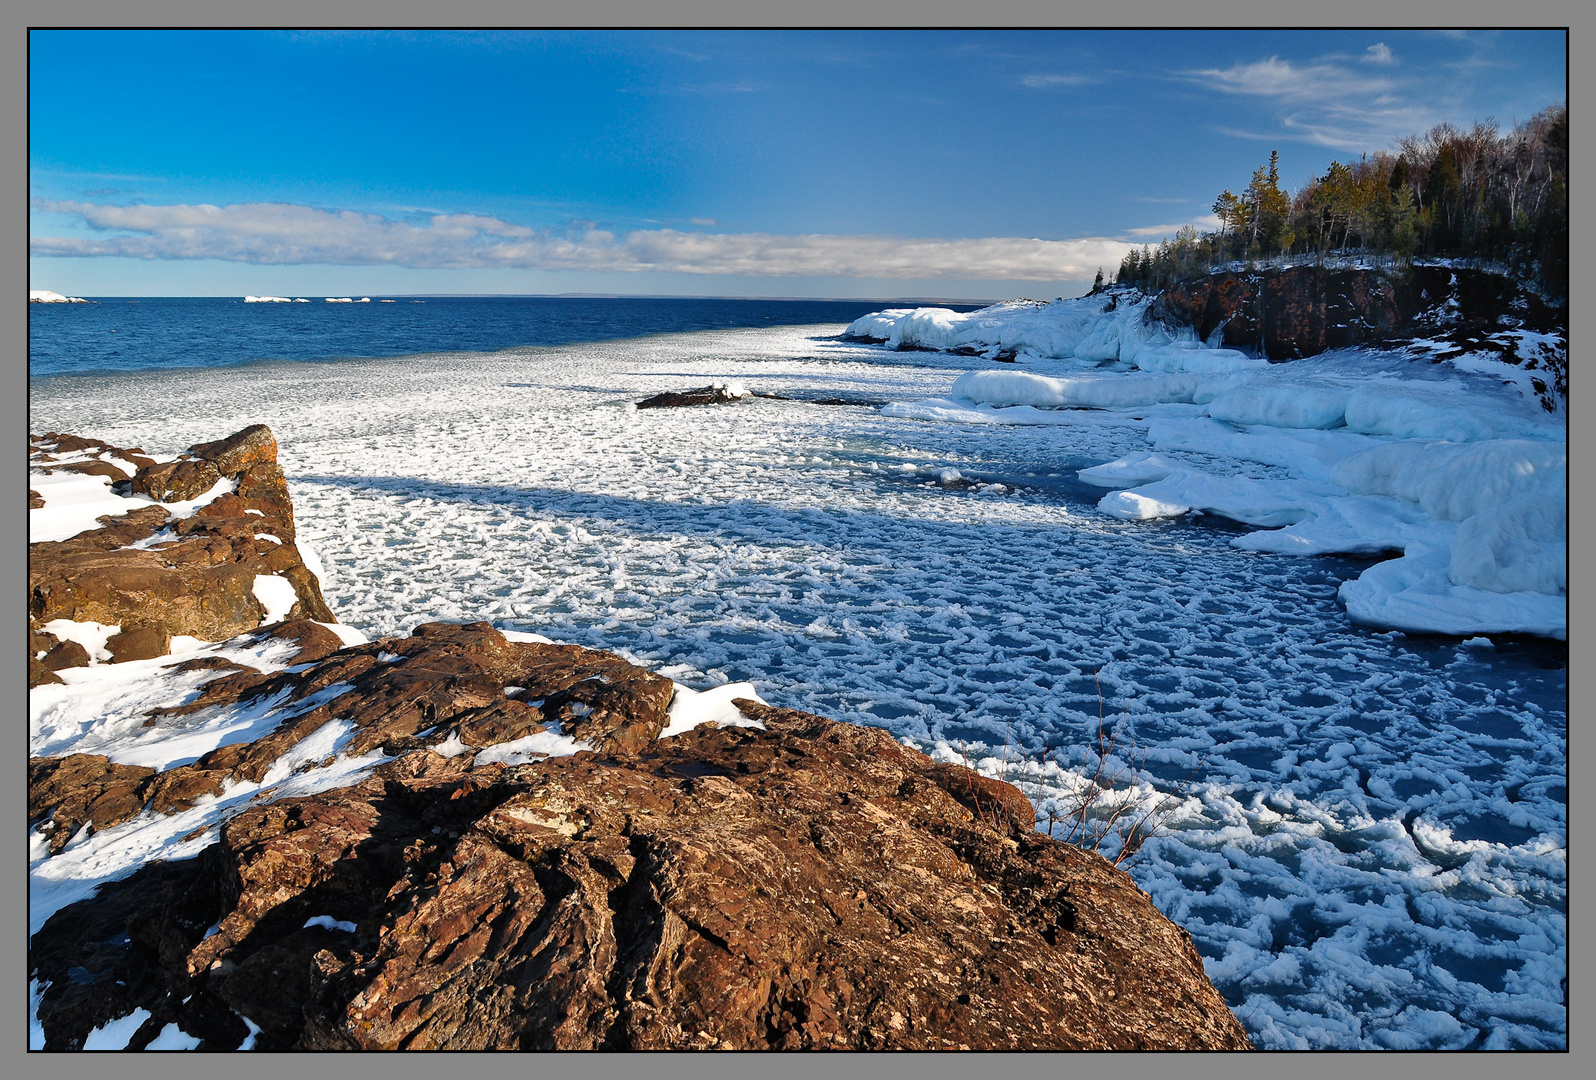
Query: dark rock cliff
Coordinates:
[1299,311]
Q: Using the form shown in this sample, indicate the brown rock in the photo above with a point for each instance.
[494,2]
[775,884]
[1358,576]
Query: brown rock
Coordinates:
[39,675]
[703,395]
[175,481]
[65,793]
[139,643]
[93,468]
[179,788]
[443,680]
[179,590]
[65,654]
[315,642]
[813,885]
[200,583]
[252,446]
[1299,311]
[35,500]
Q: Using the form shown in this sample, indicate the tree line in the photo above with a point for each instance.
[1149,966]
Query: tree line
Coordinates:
[1478,193]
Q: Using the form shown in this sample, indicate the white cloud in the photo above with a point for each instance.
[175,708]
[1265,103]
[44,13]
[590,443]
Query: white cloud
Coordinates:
[282,233]
[1042,82]
[1286,81]
[1206,223]
[1378,53]
[1345,108]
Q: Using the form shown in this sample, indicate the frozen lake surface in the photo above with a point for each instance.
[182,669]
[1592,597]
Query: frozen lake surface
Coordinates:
[1370,848]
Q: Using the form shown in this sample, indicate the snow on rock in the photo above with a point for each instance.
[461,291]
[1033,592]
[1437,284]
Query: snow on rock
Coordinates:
[534,747]
[1280,406]
[45,296]
[276,595]
[91,635]
[349,635]
[115,1034]
[1087,329]
[73,502]
[172,1037]
[1482,526]
[267,300]
[1420,593]
[327,922]
[690,708]
[1130,471]
[1003,388]
[1454,482]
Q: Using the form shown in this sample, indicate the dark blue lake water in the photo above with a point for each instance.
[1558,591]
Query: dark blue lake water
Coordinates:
[152,333]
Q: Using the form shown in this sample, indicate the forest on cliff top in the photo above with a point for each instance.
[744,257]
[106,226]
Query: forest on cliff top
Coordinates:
[1477,193]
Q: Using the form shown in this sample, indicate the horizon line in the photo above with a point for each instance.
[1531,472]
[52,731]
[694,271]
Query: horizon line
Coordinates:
[576,296]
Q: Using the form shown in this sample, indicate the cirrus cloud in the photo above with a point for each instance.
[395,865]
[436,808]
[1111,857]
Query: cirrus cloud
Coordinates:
[286,233]
[1329,103]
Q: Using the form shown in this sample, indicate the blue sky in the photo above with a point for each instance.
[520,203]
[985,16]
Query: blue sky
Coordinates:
[806,163]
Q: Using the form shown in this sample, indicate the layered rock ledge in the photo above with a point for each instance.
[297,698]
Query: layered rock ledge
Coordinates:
[155,573]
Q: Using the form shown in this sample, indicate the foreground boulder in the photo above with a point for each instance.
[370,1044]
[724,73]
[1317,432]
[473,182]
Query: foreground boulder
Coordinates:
[809,885]
[194,576]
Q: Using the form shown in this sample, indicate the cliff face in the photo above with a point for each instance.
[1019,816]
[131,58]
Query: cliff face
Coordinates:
[1301,311]
[155,573]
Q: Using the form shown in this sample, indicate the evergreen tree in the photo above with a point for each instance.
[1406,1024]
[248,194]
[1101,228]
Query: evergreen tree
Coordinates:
[1449,192]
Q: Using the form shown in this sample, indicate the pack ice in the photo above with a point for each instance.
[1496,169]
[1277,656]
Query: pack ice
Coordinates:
[1458,472]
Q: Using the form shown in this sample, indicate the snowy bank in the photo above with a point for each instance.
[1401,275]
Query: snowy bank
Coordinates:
[1463,473]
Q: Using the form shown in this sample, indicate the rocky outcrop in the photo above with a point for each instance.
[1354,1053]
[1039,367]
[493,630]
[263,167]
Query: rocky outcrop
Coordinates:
[808,885]
[193,576]
[718,394]
[1300,311]
[444,682]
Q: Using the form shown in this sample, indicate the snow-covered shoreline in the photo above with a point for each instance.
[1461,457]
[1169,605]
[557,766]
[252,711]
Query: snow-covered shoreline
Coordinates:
[1373,853]
[1462,473]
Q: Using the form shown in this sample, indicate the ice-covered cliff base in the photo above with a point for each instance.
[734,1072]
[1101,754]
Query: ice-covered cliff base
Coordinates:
[1456,467]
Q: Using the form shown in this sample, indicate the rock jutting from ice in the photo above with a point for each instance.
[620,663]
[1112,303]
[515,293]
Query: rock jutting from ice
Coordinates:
[717,394]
